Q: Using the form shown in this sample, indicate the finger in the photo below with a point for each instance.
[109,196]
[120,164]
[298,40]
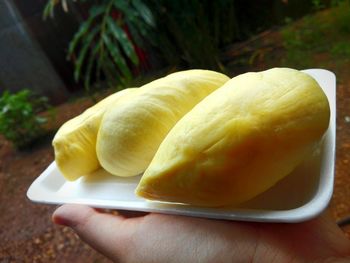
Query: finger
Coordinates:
[105,232]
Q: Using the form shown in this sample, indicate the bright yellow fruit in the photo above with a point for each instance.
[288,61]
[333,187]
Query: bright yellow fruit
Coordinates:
[75,142]
[239,141]
[131,133]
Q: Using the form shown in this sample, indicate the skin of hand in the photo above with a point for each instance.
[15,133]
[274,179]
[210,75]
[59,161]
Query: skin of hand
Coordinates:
[168,238]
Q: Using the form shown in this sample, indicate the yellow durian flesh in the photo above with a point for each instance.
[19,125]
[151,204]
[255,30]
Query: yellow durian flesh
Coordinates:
[75,142]
[239,141]
[131,133]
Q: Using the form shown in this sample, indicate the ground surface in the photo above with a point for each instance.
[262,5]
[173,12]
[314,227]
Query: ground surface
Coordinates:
[27,234]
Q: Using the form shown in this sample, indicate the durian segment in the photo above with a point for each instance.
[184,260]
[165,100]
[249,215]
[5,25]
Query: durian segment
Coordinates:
[239,141]
[131,133]
[75,142]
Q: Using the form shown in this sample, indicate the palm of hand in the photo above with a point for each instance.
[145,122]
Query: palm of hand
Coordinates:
[165,238]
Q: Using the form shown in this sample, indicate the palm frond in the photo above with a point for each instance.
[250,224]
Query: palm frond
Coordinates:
[90,64]
[106,43]
[144,12]
[116,56]
[85,27]
[121,37]
[83,51]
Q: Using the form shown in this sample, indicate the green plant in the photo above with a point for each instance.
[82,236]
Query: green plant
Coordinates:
[192,32]
[341,49]
[50,7]
[19,121]
[318,4]
[106,41]
[298,48]
[308,34]
[342,17]
[186,33]
[304,38]
[335,3]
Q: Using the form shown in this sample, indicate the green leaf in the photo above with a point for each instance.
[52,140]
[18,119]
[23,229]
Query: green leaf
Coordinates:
[82,31]
[109,70]
[96,10]
[100,59]
[48,9]
[121,37]
[124,7]
[144,12]
[136,36]
[84,28]
[91,60]
[136,25]
[132,17]
[18,120]
[88,41]
[117,57]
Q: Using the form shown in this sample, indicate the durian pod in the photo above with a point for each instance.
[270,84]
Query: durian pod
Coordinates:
[75,142]
[131,133]
[239,141]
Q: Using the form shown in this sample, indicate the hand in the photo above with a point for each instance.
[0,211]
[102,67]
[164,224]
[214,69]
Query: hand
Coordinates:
[167,238]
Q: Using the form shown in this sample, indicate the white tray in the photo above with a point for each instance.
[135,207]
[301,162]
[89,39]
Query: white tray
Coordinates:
[300,196]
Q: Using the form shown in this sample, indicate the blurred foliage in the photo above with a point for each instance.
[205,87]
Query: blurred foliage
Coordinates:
[119,35]
[105,42]
[341,49]
[184,33]
[50,7]
[19,119]
[191,32]
[328,30]
[318,4]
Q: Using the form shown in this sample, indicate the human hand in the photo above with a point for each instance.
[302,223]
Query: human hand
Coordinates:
[168,238]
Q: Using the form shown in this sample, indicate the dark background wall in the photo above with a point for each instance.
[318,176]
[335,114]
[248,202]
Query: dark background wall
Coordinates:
[33,51]
[53,34]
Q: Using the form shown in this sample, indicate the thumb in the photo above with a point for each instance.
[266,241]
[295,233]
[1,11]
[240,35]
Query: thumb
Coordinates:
[106,233]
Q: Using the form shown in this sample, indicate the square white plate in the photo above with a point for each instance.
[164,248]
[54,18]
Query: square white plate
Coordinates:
[300,196]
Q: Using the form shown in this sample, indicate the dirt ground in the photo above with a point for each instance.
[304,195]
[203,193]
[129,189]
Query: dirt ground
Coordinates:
[27,234]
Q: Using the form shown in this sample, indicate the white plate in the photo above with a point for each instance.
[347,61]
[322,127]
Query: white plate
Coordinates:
[300,196]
